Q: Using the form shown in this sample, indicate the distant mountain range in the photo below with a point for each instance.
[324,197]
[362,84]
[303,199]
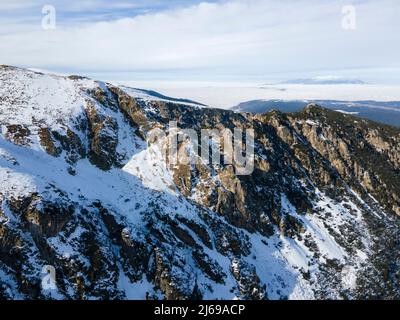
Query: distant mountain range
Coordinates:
[324,80]
[385,112]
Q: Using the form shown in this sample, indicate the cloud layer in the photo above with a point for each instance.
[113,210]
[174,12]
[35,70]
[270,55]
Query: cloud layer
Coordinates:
[238,39]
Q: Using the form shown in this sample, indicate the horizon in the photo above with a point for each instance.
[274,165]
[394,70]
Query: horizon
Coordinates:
[229,95]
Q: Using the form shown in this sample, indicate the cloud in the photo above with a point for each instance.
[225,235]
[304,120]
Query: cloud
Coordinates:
[236,38]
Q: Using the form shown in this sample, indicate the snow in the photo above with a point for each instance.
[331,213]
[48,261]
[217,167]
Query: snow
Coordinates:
[312,122]
[280,259]
[22,184]
[56,101]
[136,290]
[348,112]
[64,246]
[150,167]
[349,277]
[11,286]
[147,96]
[30,99]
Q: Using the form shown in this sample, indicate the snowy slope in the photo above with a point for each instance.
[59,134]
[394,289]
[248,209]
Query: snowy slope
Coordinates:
[82,190]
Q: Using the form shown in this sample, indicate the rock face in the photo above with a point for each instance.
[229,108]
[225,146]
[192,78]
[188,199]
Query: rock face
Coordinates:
[85,188]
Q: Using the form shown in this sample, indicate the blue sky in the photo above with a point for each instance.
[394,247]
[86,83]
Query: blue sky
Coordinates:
[75,11]
[230,40]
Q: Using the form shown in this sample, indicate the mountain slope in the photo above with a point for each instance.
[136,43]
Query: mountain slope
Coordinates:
[84,188]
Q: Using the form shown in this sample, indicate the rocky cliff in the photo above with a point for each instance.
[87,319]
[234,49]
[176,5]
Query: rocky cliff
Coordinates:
[84,188]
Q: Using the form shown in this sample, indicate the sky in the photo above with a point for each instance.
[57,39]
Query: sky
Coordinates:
[215,41]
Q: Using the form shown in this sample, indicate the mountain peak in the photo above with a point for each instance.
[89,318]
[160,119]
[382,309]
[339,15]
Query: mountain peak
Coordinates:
[313,107]
[86,189]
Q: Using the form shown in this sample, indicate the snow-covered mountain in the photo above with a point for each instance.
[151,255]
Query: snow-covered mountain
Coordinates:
[84,188]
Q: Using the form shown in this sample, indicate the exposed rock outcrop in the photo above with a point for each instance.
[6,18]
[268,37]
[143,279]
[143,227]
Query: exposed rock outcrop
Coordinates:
[83,188]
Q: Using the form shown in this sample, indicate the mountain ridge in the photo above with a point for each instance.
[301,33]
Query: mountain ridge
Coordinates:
[383,112]
[85,189]
[324,81]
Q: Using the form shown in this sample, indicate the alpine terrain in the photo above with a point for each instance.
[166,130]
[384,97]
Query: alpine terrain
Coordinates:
[85,189]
